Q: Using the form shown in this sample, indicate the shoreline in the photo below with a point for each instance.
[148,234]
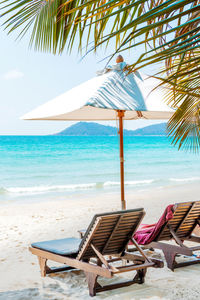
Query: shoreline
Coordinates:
[81,194]
[30,222]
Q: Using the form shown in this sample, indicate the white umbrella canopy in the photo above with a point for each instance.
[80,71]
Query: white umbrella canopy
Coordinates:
[100,97]
[109,96]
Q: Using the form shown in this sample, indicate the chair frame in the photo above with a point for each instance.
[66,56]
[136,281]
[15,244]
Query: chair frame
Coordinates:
[100,262]
[179,229]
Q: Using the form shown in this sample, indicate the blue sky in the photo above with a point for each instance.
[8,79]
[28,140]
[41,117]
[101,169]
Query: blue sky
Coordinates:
[29,78]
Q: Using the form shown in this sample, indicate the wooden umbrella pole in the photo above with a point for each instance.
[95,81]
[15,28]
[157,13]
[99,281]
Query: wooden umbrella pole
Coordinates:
[120,116]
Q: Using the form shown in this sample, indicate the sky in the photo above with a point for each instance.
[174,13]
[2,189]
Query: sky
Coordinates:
[29,79]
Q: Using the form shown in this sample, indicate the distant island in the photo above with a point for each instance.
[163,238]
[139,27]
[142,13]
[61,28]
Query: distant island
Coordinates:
[95,129]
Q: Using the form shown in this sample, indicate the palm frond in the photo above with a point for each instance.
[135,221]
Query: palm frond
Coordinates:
[183,93]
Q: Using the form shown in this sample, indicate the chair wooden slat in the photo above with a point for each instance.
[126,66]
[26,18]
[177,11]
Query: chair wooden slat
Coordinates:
[185,213]
[103,233]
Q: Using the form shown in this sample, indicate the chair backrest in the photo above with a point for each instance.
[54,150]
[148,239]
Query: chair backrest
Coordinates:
[110,232]
[183,222]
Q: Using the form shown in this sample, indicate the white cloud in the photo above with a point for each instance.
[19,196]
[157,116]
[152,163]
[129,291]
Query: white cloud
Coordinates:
[13,74]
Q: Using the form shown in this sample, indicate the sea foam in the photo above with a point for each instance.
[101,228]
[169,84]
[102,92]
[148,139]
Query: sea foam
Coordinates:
[185,179]
[133,182]
[50,188]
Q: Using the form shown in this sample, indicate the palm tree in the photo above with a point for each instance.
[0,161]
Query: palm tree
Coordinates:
[167,30]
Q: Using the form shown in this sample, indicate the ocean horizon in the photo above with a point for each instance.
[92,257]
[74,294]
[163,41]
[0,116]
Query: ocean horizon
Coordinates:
[38,167]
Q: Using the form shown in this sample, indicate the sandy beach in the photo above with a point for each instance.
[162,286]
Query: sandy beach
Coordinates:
[23,223]
[99,112]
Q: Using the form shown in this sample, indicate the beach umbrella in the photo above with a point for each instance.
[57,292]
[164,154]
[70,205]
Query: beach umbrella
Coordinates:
[112,94]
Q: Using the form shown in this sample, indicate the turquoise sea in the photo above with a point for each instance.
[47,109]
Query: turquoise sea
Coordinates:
[45,166]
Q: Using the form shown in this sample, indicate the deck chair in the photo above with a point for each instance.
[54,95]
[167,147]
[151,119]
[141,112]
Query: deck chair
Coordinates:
[186,216]
[102,247]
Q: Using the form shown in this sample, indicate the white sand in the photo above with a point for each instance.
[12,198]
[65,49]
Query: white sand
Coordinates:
[21,224]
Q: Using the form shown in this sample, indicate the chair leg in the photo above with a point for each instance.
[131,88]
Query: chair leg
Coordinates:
[92,283]
[170,259]
[43,265]
[139,277]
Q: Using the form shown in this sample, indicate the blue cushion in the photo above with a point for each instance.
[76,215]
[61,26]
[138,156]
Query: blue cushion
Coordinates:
[67,246]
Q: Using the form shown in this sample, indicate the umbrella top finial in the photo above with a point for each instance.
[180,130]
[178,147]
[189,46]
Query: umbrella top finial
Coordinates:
[119,59]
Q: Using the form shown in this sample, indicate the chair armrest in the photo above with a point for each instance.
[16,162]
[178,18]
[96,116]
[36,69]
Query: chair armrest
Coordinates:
[196,230]
[82,232]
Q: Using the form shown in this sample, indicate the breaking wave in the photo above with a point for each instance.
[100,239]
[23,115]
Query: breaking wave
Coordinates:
[51,188]
[185,179]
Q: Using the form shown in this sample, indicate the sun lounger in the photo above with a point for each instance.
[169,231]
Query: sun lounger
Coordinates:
[107,235]
[177,223]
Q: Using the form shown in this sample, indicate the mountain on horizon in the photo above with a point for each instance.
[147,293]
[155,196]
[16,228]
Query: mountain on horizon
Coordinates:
[95,129]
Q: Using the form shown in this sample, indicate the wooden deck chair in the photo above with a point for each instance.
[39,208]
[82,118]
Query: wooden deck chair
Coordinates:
[107,235]
[185,218]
